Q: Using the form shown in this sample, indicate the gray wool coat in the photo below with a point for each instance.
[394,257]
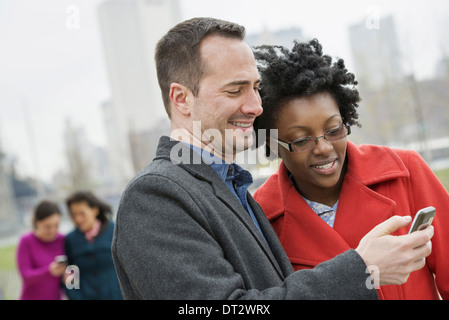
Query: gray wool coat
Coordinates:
[181,234]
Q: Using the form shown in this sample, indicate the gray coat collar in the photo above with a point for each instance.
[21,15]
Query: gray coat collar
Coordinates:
[182,155]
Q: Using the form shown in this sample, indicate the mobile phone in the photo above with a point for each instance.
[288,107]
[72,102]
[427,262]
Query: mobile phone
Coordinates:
[61,258]
[423,218]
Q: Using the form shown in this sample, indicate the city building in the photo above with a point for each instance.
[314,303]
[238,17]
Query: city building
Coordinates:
[8,221]
[375,52]
[282,37]
[135,113]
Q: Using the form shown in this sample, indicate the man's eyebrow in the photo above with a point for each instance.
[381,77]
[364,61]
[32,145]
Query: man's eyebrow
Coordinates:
[241,83]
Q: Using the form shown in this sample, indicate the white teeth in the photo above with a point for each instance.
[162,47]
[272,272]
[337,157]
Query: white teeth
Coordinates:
[241,124]
[325,167]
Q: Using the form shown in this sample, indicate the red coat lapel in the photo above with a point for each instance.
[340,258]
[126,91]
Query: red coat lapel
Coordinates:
[306,238]
[360,209]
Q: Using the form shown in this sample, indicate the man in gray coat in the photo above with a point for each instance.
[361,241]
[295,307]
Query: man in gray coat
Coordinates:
[187,228]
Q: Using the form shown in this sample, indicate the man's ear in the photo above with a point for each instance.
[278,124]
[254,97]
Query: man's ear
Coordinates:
[179,98]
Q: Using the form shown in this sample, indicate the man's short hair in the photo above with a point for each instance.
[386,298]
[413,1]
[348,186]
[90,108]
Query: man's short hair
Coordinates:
[178,53]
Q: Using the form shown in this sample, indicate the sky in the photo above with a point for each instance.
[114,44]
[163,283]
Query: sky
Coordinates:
[52,65]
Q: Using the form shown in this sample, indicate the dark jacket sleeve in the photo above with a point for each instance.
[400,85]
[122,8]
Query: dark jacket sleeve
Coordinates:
[165,248]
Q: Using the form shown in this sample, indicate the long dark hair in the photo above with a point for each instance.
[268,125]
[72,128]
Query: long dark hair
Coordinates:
[105,210]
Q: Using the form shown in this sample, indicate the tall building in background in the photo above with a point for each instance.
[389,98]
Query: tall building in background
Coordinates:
[376,53]
[88,164]
[282,37]
[8,220]
[135,116]
[254,160]
[442,68]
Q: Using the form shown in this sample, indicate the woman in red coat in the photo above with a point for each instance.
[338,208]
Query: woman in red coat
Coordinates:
[328,192]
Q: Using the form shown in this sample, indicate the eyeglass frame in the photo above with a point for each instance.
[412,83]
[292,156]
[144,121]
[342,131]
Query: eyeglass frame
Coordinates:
[289,145]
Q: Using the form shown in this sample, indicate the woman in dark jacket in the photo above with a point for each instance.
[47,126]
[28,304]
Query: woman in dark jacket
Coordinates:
[88,248]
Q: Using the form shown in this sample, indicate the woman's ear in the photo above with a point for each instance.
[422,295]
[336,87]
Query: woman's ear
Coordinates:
[179,98]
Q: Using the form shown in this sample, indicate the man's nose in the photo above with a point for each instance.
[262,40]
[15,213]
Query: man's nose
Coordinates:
[253,104]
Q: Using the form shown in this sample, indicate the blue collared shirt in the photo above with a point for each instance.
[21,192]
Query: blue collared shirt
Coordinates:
[235,177]
[326,213]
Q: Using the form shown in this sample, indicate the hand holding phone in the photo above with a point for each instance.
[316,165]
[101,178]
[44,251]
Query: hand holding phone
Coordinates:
[58,266]
[423,219]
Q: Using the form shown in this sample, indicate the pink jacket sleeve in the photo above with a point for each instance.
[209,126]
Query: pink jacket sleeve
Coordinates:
[29,273]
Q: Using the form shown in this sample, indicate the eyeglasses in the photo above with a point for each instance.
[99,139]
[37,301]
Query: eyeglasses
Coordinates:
[310,142]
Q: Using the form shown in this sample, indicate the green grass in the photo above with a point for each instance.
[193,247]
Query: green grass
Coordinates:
[443,175]
[8,258]
[10,281]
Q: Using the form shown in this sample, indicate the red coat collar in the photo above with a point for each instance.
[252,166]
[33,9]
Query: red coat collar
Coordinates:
[359,209]
[371,164]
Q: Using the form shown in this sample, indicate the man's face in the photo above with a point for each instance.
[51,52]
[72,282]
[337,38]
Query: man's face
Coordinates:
[228,100]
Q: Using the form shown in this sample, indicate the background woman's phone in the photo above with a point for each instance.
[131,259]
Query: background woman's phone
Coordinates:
[61,258]
[423,218]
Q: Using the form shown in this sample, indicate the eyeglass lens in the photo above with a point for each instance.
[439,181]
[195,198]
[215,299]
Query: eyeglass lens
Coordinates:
[331,135]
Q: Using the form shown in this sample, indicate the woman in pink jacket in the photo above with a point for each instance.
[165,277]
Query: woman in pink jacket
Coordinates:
[329,192]
[39,255]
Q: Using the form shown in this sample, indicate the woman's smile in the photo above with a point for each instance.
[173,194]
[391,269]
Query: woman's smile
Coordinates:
[325,167]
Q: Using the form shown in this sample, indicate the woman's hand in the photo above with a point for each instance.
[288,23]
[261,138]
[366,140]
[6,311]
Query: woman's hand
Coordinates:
[57,269]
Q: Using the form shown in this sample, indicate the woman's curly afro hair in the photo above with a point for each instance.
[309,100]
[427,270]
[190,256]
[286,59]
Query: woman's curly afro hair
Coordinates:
[302,72]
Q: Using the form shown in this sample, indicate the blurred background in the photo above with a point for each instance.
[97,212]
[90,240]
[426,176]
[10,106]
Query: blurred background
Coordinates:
[80,107]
